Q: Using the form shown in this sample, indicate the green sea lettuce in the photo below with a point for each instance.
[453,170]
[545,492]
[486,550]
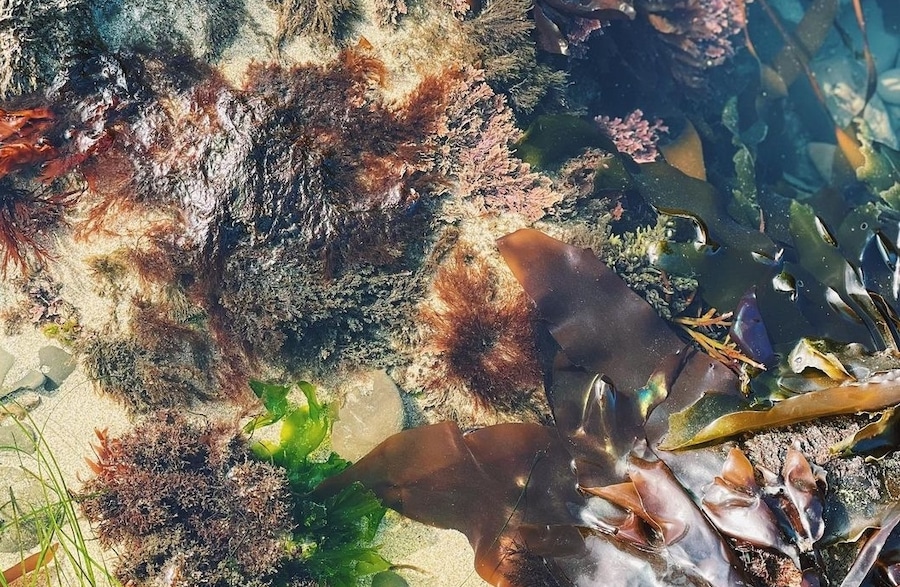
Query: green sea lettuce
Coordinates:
[333,537]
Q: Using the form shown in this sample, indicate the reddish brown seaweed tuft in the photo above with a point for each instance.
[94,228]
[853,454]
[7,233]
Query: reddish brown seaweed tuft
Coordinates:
[164,363]
[484,341]
[25,215]
[181,498]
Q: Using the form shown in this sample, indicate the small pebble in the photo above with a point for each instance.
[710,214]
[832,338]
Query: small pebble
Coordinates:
[20,406]
[31,381]
[56,364]
[6,363]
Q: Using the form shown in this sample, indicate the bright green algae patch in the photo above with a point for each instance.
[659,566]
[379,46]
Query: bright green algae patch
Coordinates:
[332,540]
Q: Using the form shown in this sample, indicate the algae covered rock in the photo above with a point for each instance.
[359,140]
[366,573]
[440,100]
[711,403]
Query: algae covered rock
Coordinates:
[204,27]
[37,39]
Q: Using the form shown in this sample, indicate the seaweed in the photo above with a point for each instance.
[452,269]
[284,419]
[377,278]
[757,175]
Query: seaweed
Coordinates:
[332,539]
[320,18]
[530,481]
[501,33]
[561,25]
[698,35]
[276,191]
[873,391]
[476,148]
[182,498]
[162,363]
[390,12]
[194,500]
[785,514]
[598,480]
[876,563]
[483,340]
[26,213]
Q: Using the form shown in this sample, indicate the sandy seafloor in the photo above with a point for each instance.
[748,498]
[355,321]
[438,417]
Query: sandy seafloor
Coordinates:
[68,416]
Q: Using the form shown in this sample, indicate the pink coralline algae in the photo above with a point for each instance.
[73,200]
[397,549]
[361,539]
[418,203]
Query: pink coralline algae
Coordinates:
[699,31]
[634,135]
[475,150]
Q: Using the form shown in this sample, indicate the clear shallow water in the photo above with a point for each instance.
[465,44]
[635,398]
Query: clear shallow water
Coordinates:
[216,153]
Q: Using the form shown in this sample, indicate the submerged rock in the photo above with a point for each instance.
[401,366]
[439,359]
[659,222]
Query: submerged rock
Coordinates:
[367,417]
[20,519]
[30,381]
[17,436]
[205,28]
[843,81]
[19,406]
[6,363]
[56,364]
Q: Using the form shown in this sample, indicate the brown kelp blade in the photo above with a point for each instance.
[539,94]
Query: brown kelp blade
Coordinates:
[849,399]
[600,425]
[671,191]
[806,39]
[875,439]
[29,564]
[598,321]
[867,558]
[685,153]
[735,504]
[684,536]
[604,327]
[691,541]
[487,484]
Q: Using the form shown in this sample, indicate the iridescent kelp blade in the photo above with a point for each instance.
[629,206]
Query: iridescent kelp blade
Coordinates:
[598,321]
[604,327]
[487,484]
